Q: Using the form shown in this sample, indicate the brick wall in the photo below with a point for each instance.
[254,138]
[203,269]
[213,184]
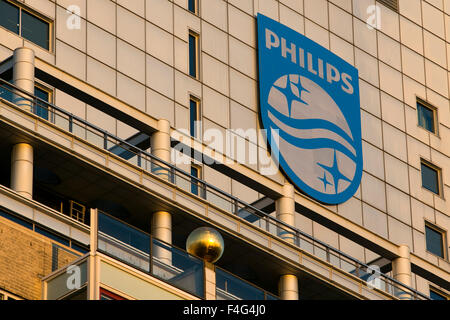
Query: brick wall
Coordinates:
[26,257]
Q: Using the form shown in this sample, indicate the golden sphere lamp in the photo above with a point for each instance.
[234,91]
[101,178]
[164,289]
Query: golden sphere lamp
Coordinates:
[205,243]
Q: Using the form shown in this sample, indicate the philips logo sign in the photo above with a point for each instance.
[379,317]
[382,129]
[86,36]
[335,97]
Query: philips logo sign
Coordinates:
[309,104]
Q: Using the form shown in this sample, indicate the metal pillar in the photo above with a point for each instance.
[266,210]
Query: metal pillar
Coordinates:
[285,209]
[162,220]
[22,153]
[401,270]
[288,287]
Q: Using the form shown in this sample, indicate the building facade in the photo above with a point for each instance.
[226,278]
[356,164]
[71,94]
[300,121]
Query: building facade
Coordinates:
[127,125]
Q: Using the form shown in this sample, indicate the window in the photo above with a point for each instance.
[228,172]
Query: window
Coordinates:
[192,6]
[25,24]
[195,172]
[46,95]
[392,4]
[435,239]
[194,116]
[193,54]
[430,177]
[9,16]
[435,294]
[427,116]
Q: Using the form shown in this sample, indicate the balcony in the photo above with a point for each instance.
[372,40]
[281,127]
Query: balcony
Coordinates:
[138,165]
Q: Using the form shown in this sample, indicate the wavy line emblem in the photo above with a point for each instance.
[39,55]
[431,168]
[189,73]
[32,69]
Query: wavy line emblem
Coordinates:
[309,105]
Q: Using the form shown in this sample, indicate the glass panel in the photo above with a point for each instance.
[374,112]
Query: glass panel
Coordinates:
[192,55]
[9,16]
[42,108]
[35,30]
[57,286]
[434,241]
[232,288]
[194,183]
[426,117]
[436,296]
[51,235]
[430,178]
[123,242]
[192,6]
[177,268]
[6,90]
[193,117]
[123,232]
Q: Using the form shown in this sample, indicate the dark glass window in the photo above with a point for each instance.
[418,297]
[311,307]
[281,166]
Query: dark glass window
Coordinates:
[192,55]
[437,296]
[42,108]
[430,178]
[9,16]
[25,24]
[123,232]
[79,248]
[192,6]
[435,241]
[193,105]
[51,235]
[194,184]
[17,220]
[35,30]
[426,117]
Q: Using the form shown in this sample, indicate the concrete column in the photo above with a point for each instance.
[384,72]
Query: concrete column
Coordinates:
[22,153]
[22,169]
[401,270]
[285,209]
[23,75]
[162,220]
[160,144]
[162,230]
[288,287]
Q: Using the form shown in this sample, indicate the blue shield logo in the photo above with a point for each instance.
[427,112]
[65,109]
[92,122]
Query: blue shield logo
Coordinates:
[309,105]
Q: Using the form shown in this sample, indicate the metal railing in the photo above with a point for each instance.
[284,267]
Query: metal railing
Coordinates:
[231,287]
[140,250]
[145,160]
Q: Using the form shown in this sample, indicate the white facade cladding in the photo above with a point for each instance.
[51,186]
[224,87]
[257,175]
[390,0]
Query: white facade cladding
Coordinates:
[142,53]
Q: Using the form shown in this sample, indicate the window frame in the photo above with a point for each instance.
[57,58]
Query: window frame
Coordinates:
[51,95]
[439,177]
[199,176]
[196,8]
[196,36]
[40,16]
[433,109]
[438,292]
[108,293]
[443,234]
[197,128]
